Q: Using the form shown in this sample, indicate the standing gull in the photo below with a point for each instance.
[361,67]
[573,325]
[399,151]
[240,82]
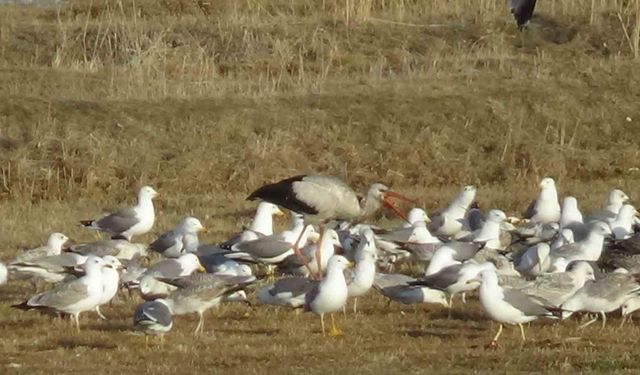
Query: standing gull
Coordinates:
[129,221]
[605,294]
[507,306]
[331,293]
[363,273]
[545,209]
[198,294]
[556,288]
[110,282]
[74,297]
[182,239]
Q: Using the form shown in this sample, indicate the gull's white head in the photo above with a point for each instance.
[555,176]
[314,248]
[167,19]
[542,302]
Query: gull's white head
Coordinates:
[547,183]
[147,192]
[601,228]
[57,240]
[93,263]
[112,262]
[190,262]
[617,197]
[338,262]
[496,216]
[417,215]
[570,203]
[583,269]
[191,225]
[270,208]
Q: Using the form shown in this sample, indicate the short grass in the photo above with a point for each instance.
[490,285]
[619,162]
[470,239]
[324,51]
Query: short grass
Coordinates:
[207,100]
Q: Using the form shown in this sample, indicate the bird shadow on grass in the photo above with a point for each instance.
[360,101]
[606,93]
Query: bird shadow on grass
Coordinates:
[264,331]
[110,327]
[75,343]
[457,315]
[415,333]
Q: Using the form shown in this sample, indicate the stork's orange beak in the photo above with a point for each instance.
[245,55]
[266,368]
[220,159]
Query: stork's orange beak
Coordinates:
[386,201]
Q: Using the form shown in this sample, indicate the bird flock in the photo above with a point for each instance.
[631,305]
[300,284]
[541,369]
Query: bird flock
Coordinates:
[553,262]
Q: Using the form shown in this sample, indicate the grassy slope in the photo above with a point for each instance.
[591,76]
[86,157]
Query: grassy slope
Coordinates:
[207,101]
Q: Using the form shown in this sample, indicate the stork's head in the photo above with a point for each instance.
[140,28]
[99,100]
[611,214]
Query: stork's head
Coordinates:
[383,195]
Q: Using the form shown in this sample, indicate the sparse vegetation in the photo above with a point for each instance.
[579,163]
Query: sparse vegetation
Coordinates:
[206,100]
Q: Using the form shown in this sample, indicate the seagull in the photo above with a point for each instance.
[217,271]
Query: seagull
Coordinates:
[309,265]
[545,209]
[198,293]
[54,246]
[153,317]
[507,306]
[588,249]
[331,293]
[565,237]
[110,282]
[50,269]
[629,307]
[522,11]
[262,223]
[454,279]
[489,234]
[603,295]
[152,288]
[615,200]
[396,287]
[622,225]
[271,249]
[288,292]
[129,221]
[119,248]
[363,273]
[182,239]
[74,297]
[3,273]
[452,219]
[556,288]
[534,261]
[571,218]
[415,215]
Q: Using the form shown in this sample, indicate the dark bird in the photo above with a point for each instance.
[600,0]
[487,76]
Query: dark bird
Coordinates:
[522,11]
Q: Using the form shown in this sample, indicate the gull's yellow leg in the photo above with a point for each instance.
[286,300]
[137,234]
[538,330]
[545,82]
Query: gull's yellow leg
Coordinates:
[495,338]
[322,323]
[335,331]
[522,332]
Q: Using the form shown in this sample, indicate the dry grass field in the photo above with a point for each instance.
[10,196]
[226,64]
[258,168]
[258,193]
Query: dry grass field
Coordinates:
[207,100]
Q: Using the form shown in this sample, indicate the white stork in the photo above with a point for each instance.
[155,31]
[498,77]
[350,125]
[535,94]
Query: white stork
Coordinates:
[323,198]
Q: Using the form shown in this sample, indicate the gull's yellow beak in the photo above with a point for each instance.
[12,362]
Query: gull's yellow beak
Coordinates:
[204,230]
[350,264]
